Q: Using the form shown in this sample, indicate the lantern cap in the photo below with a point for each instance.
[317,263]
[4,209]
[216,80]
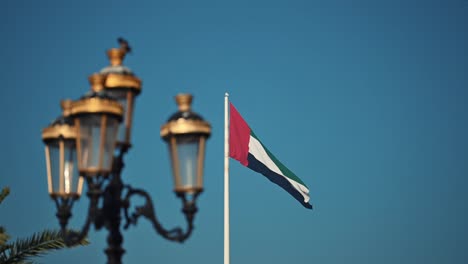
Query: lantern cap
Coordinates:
[61,127]
[96,100]
[118,75]
[119,69]
[185,121]
[63,120]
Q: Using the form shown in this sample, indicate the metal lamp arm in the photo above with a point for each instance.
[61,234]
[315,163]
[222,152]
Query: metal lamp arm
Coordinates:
[147,211]
[64,213]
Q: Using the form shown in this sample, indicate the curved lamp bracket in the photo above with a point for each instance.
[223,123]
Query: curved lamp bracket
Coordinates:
[147,210]
[64,206]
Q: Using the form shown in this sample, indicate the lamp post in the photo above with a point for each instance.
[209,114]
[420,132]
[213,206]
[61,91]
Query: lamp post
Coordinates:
[88,143]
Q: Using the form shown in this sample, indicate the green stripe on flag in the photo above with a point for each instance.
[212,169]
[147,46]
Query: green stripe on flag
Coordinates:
[286,172]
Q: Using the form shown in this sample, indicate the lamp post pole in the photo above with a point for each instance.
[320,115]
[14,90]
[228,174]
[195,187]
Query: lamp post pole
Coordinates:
[80,148]
[112,207]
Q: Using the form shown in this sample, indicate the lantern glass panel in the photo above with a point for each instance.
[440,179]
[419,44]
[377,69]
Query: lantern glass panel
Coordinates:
[124,97]
[185,157]
[64,174]
[97,141]
[54,160]
[112,126]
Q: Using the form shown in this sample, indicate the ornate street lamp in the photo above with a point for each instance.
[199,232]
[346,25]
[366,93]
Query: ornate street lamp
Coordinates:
[94,134]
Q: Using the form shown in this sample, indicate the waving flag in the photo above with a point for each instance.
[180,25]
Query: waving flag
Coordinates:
[245,147]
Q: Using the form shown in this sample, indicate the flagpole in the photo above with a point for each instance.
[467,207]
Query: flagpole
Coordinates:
[226,181]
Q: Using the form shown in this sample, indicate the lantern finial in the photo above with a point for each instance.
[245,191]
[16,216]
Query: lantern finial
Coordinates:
[66,106]
[97,81]
[184,101]
[117,55]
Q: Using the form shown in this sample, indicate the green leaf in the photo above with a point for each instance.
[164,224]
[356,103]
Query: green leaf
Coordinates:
[36,245]
[3,238]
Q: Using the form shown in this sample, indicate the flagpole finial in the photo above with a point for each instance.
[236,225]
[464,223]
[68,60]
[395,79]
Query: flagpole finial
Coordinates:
[226,95]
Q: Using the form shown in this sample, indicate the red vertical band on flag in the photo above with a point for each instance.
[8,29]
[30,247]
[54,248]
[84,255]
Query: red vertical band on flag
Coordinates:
[239,136]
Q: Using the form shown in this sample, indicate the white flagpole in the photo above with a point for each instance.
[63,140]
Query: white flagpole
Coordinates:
[226,181]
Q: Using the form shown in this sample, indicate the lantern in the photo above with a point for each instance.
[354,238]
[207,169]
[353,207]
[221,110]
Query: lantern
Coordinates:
[97,117]
[186,133]
[60,153]
[124,86]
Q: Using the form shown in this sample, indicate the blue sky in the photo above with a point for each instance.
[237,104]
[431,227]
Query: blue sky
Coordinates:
[366,101]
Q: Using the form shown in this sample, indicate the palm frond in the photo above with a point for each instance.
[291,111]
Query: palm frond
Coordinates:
[4,193]
[3,237]
[36,245]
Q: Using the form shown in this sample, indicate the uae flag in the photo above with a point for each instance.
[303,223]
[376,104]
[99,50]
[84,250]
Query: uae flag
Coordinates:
[245,147]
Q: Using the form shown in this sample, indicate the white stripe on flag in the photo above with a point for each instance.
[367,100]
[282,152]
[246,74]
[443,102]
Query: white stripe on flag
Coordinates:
[257,150]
